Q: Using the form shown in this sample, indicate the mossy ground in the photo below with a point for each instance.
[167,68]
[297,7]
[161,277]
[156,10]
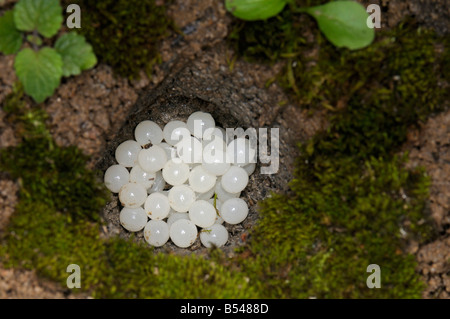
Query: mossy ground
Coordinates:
[125,34]
[352,202]
[280,37]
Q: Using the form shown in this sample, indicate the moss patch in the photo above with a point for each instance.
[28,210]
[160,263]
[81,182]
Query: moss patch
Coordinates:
[47,173]
[344,216]
[394,70]
[266,40]
[126,33]
[280,37]
[353,203]
[45,240]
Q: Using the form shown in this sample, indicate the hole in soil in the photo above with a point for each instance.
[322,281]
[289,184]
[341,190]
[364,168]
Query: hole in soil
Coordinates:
[445,229]
[163,110]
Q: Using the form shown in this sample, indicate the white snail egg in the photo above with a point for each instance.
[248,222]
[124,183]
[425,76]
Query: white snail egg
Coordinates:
[202,213]
[152,159]
[207,195]
[138,175]
[159,183]
[148,132]
[133,219]
[156,233]
[173,132]
[132,195]
[216,235]
[171,151]
[249,168]
[183,233]
[127,153]
[175,173]
[198,122]
[181,197]
[222,194]
[215,164]
[190,150]
[200,180]
[240,152]
[235,179]
[209,148]
[234,211]
[157,206]
[211,133]
[115,177]
[174,216]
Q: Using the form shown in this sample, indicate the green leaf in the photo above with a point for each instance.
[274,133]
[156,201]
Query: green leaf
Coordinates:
[255,9]
[45,16]
[39,71]
[344,23]
[10,37]
[76,53]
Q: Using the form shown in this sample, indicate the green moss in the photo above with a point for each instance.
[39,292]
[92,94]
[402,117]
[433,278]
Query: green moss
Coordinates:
[400,62]
[56,176]
[351,194]
[265,40]
[47,241]
[352,197]
[29,121]
[125,34]
[282,36]
[343,217]
[319,75]
[137,272]
[42,239]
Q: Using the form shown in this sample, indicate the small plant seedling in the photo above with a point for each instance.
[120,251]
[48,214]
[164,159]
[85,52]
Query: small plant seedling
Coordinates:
[252,10]
[40,67]
[344,23]
[215,204]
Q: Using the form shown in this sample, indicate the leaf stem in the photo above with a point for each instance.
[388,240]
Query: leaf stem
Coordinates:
[35,36]
[300,10]
[215,205]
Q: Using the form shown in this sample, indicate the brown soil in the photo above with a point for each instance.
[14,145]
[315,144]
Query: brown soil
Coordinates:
[429,147]
[90,109]
[24,284]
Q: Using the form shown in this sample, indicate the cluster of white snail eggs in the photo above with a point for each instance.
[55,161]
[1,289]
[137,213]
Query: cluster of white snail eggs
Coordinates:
[182,181]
